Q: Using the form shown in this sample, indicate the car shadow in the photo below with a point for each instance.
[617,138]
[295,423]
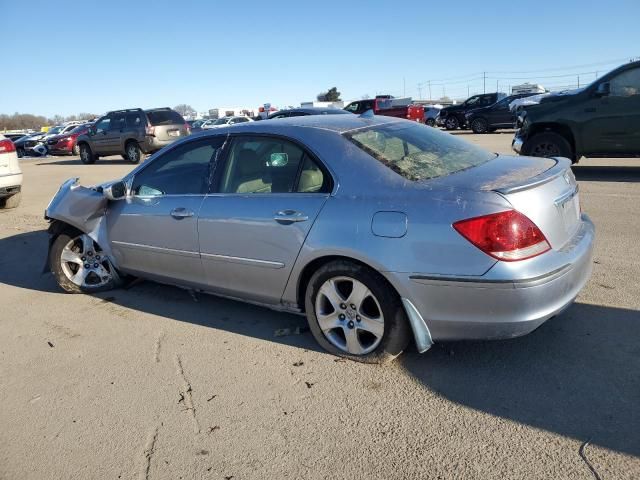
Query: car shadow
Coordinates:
[595,173]
[576,376]
[76,161]
[22,261]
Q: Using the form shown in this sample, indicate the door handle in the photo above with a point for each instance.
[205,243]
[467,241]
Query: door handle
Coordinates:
[287,217]
[181,213]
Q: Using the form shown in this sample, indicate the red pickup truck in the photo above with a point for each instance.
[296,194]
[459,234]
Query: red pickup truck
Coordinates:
[389,106]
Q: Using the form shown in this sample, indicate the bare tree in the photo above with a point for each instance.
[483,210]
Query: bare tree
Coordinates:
[185,110]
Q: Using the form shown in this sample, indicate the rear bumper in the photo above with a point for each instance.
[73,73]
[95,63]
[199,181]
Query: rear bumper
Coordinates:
[501,304]
[10,184]
[152,144]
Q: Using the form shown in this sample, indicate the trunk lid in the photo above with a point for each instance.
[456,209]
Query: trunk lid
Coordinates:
[167,124]
[543,189]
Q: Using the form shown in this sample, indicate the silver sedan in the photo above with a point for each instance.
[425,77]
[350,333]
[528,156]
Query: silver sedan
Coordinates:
[380,230]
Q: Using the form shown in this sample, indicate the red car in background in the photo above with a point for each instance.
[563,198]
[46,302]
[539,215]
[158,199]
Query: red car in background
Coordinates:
[65,144]
[389,106]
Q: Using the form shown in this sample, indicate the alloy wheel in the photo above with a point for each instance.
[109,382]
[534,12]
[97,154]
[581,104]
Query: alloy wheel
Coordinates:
[84,263]
[546,149]
[133,153]
[349,315]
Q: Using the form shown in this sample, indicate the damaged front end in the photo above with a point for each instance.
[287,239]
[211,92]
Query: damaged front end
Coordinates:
[82,208]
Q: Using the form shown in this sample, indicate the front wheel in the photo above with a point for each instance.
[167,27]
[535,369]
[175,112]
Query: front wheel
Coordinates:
[86,155]
[353,312]
[548,144]
[20,152]
[75,150]
[79,265]
[451,123]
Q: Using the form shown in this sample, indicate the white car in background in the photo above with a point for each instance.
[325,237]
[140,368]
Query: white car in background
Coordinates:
[10,175]
[223,122]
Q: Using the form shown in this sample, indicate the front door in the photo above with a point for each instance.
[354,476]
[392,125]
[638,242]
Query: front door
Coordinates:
[254,224]
[100,136]
[612,122]
[154,231]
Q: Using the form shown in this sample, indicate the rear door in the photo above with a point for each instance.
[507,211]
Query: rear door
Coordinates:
[612,122]
[168,124]
[252,227]
[154,231]
[501,115]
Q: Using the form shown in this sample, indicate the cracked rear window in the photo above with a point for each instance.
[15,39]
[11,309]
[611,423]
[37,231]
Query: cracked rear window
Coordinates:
[418,152]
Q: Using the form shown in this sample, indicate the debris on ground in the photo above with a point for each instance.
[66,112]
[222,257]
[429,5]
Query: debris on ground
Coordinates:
[309,384]
[298,364]
[50,344]
[283,332]
[211,398]
[213,429]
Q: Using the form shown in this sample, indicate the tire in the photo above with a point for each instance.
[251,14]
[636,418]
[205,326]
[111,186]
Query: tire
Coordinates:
[75,150]
[20,152]
[430,122]
[375,331]
[11,202]
[480,125]
[451,123]
[548,144]
[86,155]
[133,152]
[73,248]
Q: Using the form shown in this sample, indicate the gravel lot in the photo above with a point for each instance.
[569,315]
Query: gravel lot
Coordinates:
[152,383]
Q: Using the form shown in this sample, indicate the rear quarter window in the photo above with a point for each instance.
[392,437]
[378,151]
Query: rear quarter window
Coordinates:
[417,152]
[164,117]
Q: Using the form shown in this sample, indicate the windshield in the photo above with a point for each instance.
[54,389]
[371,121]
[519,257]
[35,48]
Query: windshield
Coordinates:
[417,152]
[221,121]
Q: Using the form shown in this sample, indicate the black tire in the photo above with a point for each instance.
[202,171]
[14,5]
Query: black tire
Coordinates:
[86,155]
[451,123]
[10,202]
[480,125]
[397,331]
[547,145]
[20,152]
[133,152]
[430,122]
[55,264]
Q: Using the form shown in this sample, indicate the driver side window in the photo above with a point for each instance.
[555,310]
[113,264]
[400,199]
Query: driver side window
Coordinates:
[103,125]
[627,84]
[183,170]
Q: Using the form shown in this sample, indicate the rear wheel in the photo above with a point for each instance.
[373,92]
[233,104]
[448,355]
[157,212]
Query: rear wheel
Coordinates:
[480,125]
[133,153]
[548,144]
[79,265]
[451,123]
[11,202]
[431,122]
[86,155]
[353,312]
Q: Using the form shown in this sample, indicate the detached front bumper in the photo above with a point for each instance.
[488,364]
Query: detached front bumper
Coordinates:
[510,300]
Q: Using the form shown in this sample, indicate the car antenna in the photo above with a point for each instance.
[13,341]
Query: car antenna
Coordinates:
[367,114]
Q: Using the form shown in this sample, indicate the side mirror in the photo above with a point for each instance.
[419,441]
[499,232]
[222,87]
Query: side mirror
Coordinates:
[92,130]
[603,90]
[115,191]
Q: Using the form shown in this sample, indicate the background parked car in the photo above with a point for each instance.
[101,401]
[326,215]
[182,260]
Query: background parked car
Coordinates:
[431,113]
[600,120]
[10,175]
[25,146]
[491,118]
[224,121]
[453,117]
[66,143]
[131,133]
[302,112]
[388,106]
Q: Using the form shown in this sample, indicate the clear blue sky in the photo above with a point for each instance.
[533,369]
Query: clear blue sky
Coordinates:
[70,57]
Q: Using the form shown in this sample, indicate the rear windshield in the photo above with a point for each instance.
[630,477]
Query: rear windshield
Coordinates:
[418,152]
[164,117]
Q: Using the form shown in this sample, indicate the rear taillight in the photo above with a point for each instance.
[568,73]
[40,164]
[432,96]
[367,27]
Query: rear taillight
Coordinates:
[7,146]
[151,131]
[507,236]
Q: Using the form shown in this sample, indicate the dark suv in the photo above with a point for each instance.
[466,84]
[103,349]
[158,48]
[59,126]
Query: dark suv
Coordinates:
[453,117]
[131,133]
[600,120]
[491,118]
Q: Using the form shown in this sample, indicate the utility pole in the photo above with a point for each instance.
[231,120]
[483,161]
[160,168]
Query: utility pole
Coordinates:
[419,91]
[578,81]
[429,90]
[497,89]
[404,87]
[468,91]
[484,82]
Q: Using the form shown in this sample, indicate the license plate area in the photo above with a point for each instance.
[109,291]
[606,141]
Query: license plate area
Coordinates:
[569,208]
[173,133]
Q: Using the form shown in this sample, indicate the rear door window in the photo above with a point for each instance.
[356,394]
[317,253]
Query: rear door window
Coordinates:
[134,120]
[164,117]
